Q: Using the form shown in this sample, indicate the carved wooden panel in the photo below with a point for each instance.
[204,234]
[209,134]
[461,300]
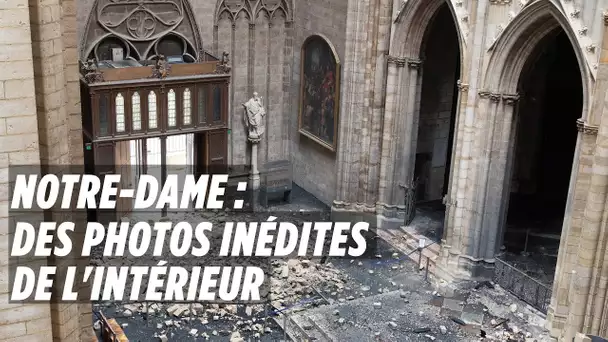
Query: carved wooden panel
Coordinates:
[142,28]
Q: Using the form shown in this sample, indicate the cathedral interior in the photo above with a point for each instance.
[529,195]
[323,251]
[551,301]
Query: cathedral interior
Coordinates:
[467,133]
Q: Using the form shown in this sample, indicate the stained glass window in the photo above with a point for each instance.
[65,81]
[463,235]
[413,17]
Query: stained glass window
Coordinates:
[120,113]
[152,114]
[171,111]
[187,107]
[136,111]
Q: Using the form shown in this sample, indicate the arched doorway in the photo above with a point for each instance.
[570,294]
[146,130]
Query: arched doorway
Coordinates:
[436,119]
[551,100]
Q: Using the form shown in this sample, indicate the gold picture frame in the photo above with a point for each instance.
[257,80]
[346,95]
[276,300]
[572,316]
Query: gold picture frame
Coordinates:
[319,111]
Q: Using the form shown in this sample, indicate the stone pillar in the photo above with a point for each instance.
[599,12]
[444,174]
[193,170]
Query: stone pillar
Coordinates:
[475,217]
[572,226]
[587,310]
[254,175]
[390,133]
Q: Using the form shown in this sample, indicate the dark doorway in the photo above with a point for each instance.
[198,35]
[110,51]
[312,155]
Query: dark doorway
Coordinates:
[436,121]
[551,102]
[438,106]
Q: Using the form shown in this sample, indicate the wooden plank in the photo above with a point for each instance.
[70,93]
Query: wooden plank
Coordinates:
[118,332]
[123,74]
[188,69]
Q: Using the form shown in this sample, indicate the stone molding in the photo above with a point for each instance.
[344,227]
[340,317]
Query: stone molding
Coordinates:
[585,128]
[414,63]
[605,16]
[398,61]
[500,2]
[508,99]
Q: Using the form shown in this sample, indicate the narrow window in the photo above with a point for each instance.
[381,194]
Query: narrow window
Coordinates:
[120,113]
[187,107]
[136,110]
[217,103]
[171,108]
[103,114]
[152,115]
[202,104]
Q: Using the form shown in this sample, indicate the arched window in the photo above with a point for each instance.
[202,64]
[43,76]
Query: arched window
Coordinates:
[120,113]
[171,110]
[187,107]
[152,114]
[136,110]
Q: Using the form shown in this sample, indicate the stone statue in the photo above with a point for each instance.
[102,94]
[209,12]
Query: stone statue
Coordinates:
[254,115]
[223,66]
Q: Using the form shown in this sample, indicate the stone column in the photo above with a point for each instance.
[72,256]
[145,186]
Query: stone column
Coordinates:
[254,174]
[392,130]
[465,252]
[587,293]
[572,226]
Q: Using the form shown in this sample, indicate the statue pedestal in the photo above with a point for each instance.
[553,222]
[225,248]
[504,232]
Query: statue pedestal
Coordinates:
[254,175]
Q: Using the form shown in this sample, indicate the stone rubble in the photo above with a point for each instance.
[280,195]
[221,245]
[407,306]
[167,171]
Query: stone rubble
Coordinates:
[290,281]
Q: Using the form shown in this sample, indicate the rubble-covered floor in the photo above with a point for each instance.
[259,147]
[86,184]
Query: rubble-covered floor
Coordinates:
[384,298]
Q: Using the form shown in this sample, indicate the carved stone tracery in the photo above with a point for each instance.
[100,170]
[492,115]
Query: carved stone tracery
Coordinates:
[139,26]
[251,8]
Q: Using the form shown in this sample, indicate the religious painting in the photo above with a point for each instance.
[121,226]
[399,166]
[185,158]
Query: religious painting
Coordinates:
[319,93]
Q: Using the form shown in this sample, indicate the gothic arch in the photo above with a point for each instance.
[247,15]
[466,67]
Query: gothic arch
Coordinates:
[139,26]
[252,8]
[518,42]
[411,25]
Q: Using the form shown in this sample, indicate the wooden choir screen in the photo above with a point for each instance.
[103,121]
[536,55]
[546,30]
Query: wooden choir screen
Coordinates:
[143,111]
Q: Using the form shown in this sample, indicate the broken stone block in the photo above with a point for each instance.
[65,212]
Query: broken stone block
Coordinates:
[392,324]
[236,337]
[513,308]
[163,338]
[341,321]
[377,305]
[443,329]
[193,332]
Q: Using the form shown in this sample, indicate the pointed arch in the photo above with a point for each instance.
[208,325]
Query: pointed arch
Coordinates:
[235,7]
[412,23]
[518,42]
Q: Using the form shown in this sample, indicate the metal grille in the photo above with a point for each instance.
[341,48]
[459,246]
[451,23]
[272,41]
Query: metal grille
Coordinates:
[410,201]
[523,286]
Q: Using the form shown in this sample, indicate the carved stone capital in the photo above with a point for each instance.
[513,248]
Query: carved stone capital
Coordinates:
[463,87]
[510,99]
[414,63]
[398,61]
[252,26]
[586,128]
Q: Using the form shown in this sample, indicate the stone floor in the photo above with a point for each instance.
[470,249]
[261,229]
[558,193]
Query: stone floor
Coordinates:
[383,298]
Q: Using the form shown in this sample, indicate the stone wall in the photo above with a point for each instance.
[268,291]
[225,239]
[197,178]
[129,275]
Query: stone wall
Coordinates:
[314,166]
[18,145]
